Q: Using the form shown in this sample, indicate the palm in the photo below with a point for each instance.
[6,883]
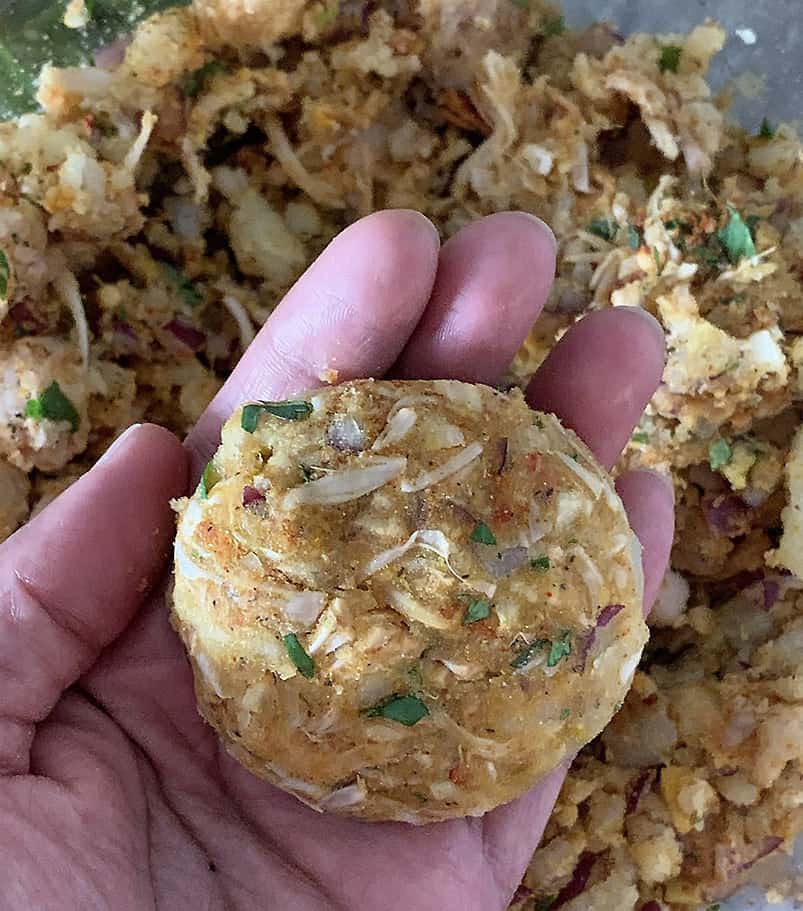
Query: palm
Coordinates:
[116,793]
[180,825]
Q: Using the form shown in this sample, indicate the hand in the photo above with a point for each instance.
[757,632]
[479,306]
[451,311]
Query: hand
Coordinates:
[114,793]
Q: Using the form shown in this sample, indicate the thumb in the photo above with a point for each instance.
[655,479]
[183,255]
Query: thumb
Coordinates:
[71,579]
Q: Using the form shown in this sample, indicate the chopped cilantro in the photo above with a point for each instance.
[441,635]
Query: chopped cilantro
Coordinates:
[522,4]
[478,609]
[670,58]
[287,411]
[186,289]
[735,237]
[307,473]
[305,664]
[554,26]
[719,454]
[526,655]
[657,257]
[407,710]
[634,238]
[560,649]
[640,437]
[715,907]
[53,405]
[602,227]
[209,478]
[766,131]
[564,714]
[540,563]
[197,80]
[5,274]
[482,534]
[539,423]
[545,903]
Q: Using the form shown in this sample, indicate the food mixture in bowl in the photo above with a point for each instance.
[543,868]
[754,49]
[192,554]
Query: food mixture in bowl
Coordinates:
[154,212]
[406,600]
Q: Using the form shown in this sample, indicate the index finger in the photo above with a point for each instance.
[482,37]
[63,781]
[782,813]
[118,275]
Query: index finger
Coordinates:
[350,315]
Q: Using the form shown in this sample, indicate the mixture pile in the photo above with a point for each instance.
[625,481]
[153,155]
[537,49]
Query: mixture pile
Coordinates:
[161,202]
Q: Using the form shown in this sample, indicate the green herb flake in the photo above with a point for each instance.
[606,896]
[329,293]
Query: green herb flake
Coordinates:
[640,437]
[478,609]
[521,4]
[670,58]
[5,274]
[602,227]
[541,563]
[554,26]
[657,257]
[545,904]
[766,130]
[564,714]
[209,478]
[293,410]
[305,664]
[53,405]
[482,534]
[716,907]
[307,473]
[526,655]
[736,239]
[634,238]
[719,454]
[188,292]
[407,710]
[199,79]
[560,649]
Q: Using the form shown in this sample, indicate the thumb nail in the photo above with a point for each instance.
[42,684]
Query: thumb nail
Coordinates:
[118,446]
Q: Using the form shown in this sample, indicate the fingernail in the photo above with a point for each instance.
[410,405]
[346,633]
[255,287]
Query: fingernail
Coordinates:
[543,226]
[118,445]
[657,328]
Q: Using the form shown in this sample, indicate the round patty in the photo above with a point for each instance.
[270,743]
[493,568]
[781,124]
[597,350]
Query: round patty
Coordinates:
[406,600]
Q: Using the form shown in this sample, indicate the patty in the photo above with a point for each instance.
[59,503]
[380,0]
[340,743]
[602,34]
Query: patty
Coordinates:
[406,600]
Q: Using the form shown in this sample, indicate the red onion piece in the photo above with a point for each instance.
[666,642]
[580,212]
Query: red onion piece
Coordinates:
[771,843]
[21,315]
[504,562]
[501,455]
[641,783]
[577,884]
[771,591]
[111,55]
[587,642]
[651,906]
[521,894]
[186,333]
[608,613]
[252,497]
[727,515]
[345,435]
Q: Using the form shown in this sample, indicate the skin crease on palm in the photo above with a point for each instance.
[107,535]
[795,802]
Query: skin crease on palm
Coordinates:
[113,792]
